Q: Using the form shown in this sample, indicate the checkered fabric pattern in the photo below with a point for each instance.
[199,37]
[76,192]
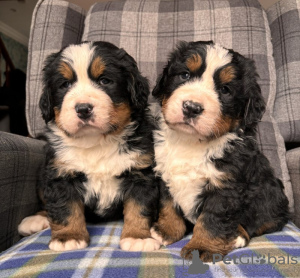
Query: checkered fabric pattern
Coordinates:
[284,18]
[293,162]
[103,258]
[20,162]
[149,30]
[54,25]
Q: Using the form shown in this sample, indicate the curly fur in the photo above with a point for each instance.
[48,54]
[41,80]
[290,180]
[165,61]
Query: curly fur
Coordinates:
[207,157]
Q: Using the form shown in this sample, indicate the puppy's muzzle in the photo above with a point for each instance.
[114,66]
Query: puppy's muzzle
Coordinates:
[84,111]
[191,109]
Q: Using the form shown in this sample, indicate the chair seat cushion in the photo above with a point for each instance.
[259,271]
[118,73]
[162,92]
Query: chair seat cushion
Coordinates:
[271,255]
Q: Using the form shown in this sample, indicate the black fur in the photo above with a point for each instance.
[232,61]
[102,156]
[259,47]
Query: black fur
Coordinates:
[129,87]
[252,197]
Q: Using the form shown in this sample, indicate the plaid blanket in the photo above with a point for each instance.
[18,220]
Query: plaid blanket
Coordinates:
[272,255]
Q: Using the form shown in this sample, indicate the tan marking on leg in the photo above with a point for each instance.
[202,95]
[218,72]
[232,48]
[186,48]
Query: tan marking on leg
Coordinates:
[243,239]
[97,67]
[72,236]
[207,244]
[264,228]
[136,230]
[135,224]
[194,62]
[170,226]
[243,233]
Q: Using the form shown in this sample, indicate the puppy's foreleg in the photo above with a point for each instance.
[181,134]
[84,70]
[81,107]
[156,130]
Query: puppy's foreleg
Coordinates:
[65,208]
[170,226]
[140,208]
[69,233]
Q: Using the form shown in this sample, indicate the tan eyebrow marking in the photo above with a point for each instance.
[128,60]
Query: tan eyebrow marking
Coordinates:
[97,67]
[194,62]
[66,70]
[227,74]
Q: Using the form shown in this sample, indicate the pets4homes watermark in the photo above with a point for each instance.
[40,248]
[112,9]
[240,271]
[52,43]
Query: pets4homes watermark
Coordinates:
[196,265]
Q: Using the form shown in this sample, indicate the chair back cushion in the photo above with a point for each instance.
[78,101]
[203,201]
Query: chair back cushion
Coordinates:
[54,25]
[284,19]
[149,30]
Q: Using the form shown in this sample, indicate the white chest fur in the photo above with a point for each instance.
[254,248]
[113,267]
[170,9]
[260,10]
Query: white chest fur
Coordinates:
[100,160]
[184,163]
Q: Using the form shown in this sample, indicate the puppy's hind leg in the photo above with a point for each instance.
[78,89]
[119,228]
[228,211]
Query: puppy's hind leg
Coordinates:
[170,226]
[33,224]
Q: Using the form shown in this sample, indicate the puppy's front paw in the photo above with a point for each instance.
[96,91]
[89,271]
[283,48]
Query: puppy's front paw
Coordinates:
[240,242]
[138,244]
[72,244]
[33,224]
[158,236]
[188,254]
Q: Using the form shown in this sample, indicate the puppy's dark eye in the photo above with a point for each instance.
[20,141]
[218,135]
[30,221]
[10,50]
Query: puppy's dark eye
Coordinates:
[104,81]
[66,85]
[185,76]
[225,90]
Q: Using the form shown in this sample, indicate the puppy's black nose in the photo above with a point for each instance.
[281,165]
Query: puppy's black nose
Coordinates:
[191,109]
[84,110]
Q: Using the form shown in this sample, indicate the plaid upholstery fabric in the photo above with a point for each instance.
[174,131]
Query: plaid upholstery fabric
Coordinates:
[20,162]
[285,30]
[149,30]
[103,258]
[293,162]
[55,24]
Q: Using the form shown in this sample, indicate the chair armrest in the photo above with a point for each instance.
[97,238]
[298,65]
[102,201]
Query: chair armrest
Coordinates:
[293,163]
[21,160]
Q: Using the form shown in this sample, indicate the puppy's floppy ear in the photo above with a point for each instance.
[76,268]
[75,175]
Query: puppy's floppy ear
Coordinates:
[139,89]
[45,103]
[160,84]
[137,85]
[254,102]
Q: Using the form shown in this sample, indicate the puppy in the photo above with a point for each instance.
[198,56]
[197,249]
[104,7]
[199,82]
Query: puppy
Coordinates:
[213,174]
[100,148]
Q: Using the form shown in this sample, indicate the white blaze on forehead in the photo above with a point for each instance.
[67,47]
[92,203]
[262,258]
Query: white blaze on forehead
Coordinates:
[216,57]
[79,57]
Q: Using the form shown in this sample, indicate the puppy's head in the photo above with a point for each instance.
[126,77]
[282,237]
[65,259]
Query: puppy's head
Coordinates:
[207,91]
[92,88]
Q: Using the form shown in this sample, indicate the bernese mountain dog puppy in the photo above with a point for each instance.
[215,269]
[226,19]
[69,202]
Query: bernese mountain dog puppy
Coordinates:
[212,172]
[99,153]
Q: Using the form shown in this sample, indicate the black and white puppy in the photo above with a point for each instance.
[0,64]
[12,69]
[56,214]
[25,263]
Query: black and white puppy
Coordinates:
[100,147]
[212,172]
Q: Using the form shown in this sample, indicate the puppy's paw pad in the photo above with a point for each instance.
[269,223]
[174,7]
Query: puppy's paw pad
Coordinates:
[33,224]
[138,244]
[240,242]
[158,237]
[68,245]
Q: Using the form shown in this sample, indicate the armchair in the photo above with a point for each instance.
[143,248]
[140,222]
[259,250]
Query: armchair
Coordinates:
[148,30]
